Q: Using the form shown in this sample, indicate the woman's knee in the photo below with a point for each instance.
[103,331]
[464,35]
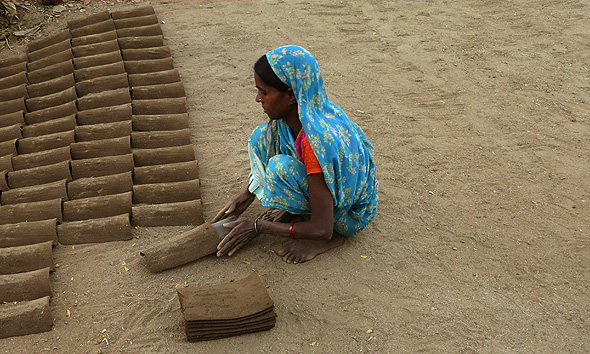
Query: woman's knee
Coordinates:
[285,168]
[286,185]
[286,163]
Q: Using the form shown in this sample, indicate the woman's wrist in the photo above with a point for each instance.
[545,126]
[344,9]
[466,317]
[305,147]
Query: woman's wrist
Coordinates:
[257,225]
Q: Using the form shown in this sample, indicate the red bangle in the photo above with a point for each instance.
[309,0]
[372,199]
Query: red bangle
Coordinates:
[291,231]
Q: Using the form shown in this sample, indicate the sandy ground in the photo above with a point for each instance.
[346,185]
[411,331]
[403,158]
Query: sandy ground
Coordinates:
[480,116]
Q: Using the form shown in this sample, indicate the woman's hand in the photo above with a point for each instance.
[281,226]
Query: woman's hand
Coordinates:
[242,232]
[236,206]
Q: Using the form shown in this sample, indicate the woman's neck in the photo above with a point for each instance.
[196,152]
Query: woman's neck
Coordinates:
[294,123]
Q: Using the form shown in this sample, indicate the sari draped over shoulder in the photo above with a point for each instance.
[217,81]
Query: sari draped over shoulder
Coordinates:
[279,178]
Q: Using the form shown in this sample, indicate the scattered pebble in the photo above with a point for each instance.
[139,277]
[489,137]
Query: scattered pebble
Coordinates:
[59,9]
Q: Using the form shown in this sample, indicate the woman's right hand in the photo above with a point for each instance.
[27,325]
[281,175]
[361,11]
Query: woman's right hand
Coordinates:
[236,206]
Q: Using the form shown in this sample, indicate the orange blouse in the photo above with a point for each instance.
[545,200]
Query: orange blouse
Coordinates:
[312,165]
[306,154]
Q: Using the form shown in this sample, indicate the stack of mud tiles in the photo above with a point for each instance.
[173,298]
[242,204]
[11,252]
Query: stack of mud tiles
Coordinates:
[34,170]
[102,163]
[166,188]
[219,311]
[77,151]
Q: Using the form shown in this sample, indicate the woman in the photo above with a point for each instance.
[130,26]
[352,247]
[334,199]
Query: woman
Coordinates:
[309,163]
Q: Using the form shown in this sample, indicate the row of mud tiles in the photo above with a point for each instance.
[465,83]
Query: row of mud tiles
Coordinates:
[94,137]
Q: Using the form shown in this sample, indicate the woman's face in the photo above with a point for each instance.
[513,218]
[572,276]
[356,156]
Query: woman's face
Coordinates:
[276,104]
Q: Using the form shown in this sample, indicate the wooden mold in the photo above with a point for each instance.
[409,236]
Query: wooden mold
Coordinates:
[50,72]
[159,156]
[160,106]
[11,106]
[103,131]
[99,27]
[50,113]
[114,228]
[99,148]
[11,132]
[99,186]
[147,30]
[89,20]
[14,80]
[140,11]
[136,21]
[41,158]
[96,48]
[52,59]
[141,42]
[104,99]
[26,317]
[97,207]
[100,70]
[51,100]
[108,114]
[157,78]
[28,233]
[45,142]
[169,214]
[48,51]
[50,127]
[103,83]
[146,53]
[148,65]
[48,41]
[39,175]
[97,60]
[181,249]
[102,166]
[14,92]
[172,90]
[12,118]
[51,86]
[25,286]
[36,193]
[158,139]
[94,38]
[27,258]
[170,192]
[34,211]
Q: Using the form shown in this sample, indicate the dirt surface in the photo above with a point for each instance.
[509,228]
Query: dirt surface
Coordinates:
[480,116]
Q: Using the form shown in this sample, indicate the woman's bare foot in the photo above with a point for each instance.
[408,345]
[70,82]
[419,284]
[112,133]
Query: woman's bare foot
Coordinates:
[305,250]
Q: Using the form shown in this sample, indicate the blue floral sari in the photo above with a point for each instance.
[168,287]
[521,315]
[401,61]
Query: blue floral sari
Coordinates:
[279,177]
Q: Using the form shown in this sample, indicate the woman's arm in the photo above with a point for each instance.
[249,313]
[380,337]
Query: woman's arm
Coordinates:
[321,223]
[320,226]
[236,206]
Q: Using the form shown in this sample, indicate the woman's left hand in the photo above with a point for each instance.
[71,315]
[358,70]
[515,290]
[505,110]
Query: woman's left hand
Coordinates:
[242,232]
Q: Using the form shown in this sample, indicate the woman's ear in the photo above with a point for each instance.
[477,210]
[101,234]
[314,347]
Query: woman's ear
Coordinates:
[291,94]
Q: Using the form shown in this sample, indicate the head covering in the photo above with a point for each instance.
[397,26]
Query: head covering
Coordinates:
[341,147]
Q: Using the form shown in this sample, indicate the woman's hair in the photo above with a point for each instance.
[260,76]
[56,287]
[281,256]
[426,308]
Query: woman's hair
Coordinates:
[268,76]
